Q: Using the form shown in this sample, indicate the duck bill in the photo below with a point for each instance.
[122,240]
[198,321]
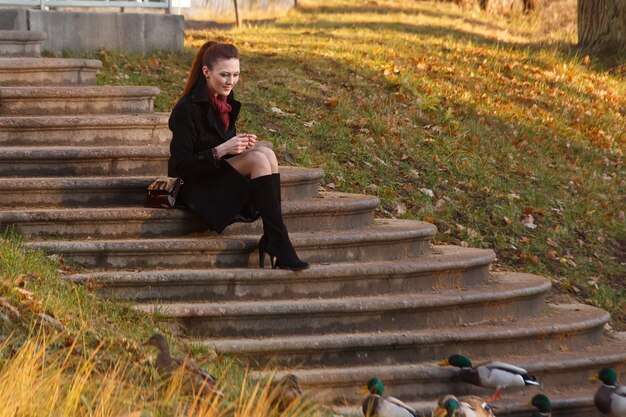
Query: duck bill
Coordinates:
[363,390]
[443,363]
[440,412]
[593,378]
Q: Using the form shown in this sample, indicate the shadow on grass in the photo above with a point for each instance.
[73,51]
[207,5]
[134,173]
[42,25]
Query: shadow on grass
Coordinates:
[316,29]
[612,61]
[375,9]
[191,24]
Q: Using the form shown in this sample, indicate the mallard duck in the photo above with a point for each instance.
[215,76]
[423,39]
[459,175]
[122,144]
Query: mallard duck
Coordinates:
[284,391]
[198,379]
[496,375]
[610,398]
[543,406]
[375,405]
[466,406]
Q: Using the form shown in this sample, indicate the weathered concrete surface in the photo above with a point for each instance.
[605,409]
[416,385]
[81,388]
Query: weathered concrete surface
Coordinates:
[124,191]
[513,296]
[388,240]
[48,71]
[89,31]
[87,130]
[81,161]
[20,43]
[31,101]
[564,327]
[446,267]
[327,212]
[423,381]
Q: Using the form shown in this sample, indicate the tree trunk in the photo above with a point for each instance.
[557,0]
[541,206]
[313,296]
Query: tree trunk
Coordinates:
[508,7]
[237,18]
[602,25]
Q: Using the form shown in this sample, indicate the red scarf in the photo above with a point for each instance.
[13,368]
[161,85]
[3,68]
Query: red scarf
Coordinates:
[221,109]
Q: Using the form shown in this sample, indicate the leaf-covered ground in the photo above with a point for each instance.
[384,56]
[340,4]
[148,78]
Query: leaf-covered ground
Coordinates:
[497,130]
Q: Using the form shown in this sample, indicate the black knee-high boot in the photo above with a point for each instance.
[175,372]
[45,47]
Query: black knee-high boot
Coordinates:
[276,190]
[275,240]
[276,180]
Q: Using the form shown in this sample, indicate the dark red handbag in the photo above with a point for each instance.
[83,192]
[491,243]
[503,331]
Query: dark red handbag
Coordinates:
[162,192]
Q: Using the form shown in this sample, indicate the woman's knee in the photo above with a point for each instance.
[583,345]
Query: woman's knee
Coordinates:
[270,155]
[259,162]
[251,164]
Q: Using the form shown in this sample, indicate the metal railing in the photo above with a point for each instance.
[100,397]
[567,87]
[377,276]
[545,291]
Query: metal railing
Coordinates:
[46,4]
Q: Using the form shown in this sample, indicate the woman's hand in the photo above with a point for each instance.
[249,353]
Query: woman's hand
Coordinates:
[251,139]
[235,145]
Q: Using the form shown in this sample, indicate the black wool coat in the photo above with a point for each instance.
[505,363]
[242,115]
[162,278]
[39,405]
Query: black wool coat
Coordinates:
[212,189]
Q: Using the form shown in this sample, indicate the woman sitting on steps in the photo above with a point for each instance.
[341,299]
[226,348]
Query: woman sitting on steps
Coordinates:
[226,177]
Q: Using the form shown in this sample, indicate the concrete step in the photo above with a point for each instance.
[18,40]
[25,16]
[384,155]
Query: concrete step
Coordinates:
[562,327]
[574,402]
[48,71]
[86,130]
[82,161]
[424,381]
[446,267]
[53,101]
[386,240]
[36,192]
[296,183]
[21,43]
[508,296]
[326,212]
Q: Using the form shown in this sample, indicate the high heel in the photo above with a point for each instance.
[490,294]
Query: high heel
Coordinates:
[295,264]
[275,240]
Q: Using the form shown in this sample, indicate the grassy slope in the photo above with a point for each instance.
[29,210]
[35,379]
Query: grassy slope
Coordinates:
[469,121]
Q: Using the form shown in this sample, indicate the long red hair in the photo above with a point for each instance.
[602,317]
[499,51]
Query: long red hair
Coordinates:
[208,55]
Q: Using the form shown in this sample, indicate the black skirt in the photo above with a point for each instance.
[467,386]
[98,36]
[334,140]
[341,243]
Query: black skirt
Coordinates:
[221,200]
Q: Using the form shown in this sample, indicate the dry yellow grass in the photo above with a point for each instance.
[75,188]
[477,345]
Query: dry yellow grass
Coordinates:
[39,379]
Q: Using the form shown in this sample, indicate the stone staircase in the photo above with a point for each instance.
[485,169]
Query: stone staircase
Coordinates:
[378,300]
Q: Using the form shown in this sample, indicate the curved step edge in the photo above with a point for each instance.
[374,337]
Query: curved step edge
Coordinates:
[426,380]
[385,240]
[511,297]
[330,211]
[445,267]
[566,327]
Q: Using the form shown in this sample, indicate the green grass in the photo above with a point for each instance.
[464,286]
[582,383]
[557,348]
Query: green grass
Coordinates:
[466,120]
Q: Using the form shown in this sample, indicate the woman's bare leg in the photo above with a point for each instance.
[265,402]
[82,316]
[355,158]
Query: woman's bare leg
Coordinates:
[271,157]
[251,164]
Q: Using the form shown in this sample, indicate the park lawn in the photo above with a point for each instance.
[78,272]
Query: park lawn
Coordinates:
[497,130]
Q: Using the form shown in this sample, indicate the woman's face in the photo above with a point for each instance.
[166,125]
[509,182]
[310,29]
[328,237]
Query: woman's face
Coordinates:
[223,76]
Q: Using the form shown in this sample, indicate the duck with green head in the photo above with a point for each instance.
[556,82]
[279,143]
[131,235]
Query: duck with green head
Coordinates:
[543,406]
[375,405]
[610,398]
[493,374]
[466,406]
